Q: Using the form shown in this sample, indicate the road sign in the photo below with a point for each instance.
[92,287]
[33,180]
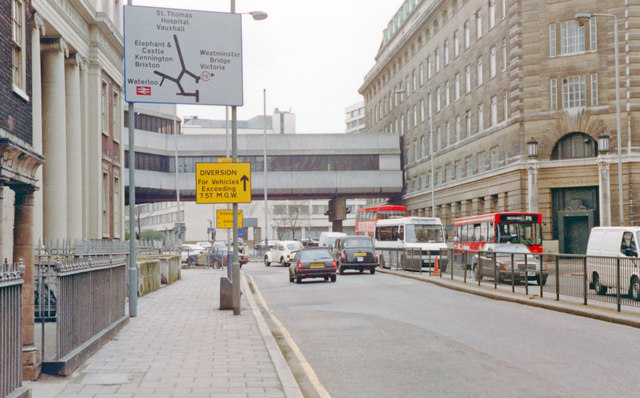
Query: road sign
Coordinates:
[223,182]
[224,219]
[182,56]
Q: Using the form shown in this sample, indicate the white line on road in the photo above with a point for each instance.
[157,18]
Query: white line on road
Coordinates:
[313,378]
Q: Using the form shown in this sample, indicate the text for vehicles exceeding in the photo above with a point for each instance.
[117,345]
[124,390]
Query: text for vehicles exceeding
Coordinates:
[223,182]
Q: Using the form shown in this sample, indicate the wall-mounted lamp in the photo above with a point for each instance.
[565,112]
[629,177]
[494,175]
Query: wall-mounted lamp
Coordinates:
[532,148]
[603,143]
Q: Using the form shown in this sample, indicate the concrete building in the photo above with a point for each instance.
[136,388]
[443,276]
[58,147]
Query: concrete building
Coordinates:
[299,219]
[472,85]
[354,118]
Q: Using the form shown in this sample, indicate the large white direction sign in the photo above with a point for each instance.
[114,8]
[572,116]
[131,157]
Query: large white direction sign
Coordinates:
[182,56]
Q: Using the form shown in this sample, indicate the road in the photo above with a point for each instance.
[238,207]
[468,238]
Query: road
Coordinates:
[386,336]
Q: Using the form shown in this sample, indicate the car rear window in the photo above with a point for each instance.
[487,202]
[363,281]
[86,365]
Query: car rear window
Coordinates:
[358,242]
[313,255]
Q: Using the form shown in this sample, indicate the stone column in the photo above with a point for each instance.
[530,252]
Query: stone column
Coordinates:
[74,148]
[36,118]
[532,185]
[604,189]
[475,206]
[23,251]
[488,201]
[464,208]
[503,205]
[54,138]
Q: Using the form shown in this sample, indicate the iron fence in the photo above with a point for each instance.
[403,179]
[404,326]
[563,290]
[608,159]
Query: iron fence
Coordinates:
[80,288]
[10,328]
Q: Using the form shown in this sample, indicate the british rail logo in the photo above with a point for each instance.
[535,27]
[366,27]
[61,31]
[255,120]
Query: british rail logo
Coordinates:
[143,90]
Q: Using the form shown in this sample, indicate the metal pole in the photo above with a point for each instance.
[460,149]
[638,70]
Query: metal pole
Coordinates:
[264,158]
[175,136]
[619,144]
[133,270]
[235,286]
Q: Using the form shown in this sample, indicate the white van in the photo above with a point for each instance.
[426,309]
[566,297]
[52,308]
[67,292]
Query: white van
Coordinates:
[424,234]
[328,238]
[606,245]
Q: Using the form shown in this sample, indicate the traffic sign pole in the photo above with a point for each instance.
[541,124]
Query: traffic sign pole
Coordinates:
[235,270]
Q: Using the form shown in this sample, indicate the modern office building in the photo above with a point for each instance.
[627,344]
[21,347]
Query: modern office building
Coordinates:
[354,118]
[510,105]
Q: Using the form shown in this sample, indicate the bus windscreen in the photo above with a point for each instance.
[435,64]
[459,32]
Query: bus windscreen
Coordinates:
[420,233]
[525,233]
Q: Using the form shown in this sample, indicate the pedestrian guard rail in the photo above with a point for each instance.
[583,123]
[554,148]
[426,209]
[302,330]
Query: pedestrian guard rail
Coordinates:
[571,277]
[10,328]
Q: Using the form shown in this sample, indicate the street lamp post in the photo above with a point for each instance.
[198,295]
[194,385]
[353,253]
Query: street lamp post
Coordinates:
[264,158]
[432,180]
[582,18]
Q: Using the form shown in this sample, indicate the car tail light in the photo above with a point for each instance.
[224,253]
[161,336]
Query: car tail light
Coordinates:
[334,263]
[503,267]
[342,256]
[299,265]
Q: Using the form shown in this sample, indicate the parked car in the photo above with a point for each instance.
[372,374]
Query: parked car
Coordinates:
[315,262]
[327,238]
[262,245]
[217,256]
[189,253]
[523,260]
[605,246]
[355,252]
[282,252]
[204,244]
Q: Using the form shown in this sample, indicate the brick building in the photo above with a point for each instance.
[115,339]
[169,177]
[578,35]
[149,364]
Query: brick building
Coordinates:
[468,83]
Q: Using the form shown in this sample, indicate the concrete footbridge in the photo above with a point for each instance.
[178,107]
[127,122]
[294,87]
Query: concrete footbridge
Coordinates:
[299,166]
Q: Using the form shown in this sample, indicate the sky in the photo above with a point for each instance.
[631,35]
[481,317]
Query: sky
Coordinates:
[311,57]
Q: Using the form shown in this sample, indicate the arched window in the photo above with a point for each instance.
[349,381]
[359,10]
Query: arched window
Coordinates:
[575,146]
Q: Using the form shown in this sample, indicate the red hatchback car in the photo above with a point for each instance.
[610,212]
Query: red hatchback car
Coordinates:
[315,262]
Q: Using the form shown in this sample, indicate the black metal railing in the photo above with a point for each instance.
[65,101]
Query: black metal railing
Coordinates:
[10,328]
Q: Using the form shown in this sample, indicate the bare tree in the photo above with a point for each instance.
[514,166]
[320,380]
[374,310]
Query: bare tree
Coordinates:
[290,219]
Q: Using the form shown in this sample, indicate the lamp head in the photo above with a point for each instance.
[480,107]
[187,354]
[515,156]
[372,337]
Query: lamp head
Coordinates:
[583,17]
[258,15]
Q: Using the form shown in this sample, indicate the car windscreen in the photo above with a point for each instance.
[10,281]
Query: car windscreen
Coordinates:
[357,242]
[423,233]
[315,255]
[516,248]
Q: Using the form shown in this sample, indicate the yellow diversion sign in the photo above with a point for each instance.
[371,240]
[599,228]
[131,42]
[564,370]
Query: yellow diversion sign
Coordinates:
[223,182]
[224,219]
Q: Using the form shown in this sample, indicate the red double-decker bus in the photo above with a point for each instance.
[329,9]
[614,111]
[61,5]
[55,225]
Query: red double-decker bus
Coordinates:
[473,233]
[366,217]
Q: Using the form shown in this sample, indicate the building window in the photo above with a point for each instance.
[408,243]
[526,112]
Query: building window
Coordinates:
[504,54]
[116,122]
[492,62]
[571,37]
[414,80]
[469,166]
[494,111]
[593,34]
[504,9]
[421,74]
[467,79]
[467,123]
[422,152]
[553,94]
[480,118]
[478,26]
[429,68]
[574,146]
[506,105]
[116,206]
[467,35]
[104,110]
[459,170]
[458,129]
[438,99]
[447,91]
[594,89]
[18,57]
[482,161]
[430,113]
[438,143]
[415,115]
[456,87]
[552,40]
[437,59]
[492,14]
[479,71]
[421,111]
[456,44]
[447,134]
[446,52]
[574,92]
[105,203]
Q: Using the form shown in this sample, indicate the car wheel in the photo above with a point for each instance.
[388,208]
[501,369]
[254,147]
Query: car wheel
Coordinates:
[266,261]
[476,273]
[634,289]
[597,286]
[372,270]
[544,281]
[341,269]
[333,278]
[192,262]
[291,278]
[282,261]
[326,278]
[298,279]
[361,270]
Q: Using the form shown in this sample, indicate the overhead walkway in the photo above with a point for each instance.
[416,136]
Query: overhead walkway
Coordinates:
[299,166]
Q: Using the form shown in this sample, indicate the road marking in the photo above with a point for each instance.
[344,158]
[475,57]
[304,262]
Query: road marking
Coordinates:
[308,370]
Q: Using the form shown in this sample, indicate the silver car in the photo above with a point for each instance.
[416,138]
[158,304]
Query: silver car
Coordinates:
[506,261]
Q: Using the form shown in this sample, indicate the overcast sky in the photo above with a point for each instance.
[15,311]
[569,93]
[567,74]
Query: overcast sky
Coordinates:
[311,57]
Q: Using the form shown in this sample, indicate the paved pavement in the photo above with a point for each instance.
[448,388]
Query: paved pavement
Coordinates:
[182,345]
